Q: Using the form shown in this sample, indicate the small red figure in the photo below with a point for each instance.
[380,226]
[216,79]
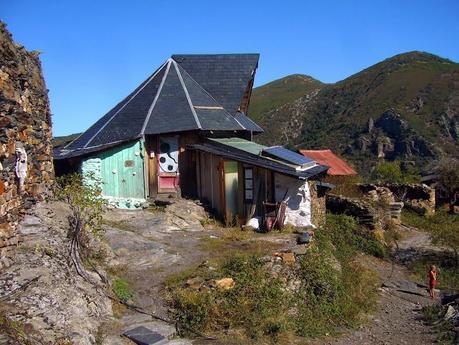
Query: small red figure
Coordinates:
[432,280]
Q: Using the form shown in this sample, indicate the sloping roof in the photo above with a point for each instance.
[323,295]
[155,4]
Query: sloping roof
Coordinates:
[249,152]
[224,76]
[171,100]
[337,166]
[240,144]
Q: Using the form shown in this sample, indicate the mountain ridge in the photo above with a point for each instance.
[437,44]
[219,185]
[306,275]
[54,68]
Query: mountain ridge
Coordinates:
[416,92]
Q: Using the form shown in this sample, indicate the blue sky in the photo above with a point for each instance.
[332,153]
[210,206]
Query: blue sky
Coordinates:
[95,52]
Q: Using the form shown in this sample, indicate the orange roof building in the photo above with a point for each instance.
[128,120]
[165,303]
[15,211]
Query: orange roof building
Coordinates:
[338,167]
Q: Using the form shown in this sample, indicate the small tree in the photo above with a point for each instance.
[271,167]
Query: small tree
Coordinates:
[388,172]
[84,197]
[448,179]
[445,232]
[392,172]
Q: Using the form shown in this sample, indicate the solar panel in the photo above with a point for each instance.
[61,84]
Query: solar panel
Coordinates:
[288,156]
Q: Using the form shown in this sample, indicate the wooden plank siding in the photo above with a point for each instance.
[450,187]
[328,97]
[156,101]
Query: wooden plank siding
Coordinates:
[151,164]
[209,189]
[122,171]
[187,165]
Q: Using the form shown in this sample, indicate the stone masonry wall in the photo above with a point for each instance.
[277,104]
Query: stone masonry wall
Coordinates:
[417,197]
[25,125]
[318,208]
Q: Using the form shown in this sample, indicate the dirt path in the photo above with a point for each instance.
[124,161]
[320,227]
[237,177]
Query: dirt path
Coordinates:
[398,316]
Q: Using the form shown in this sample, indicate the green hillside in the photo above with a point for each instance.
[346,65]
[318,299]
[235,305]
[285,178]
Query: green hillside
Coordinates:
[405,107]
[64,140]
[279,92]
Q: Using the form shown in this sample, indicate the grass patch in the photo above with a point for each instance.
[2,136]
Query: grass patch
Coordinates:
[325,291]
[228,241]
[351,237]
[433,316]
[430,223]
[446,262]
[120,225]
[447,271]
[122,290]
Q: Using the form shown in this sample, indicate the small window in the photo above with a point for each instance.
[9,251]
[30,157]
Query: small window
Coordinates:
[248,184]
[129,164]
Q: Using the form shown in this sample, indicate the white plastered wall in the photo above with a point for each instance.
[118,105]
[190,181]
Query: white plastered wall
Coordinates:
[297,195]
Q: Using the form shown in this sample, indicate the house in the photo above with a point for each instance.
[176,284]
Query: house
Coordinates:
[184,131]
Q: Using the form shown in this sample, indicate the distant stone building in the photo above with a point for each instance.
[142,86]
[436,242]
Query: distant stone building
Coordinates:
[26,168]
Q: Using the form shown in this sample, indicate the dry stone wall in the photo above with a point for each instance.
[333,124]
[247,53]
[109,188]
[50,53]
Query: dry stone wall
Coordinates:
[26,169]
[417,197]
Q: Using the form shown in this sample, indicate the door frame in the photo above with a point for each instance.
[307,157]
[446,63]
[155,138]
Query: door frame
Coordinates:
[151,143]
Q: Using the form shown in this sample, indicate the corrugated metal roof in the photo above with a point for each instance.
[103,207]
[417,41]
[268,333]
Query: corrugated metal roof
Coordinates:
[338,167]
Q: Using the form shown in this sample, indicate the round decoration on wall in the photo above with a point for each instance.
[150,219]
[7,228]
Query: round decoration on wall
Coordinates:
[168,154]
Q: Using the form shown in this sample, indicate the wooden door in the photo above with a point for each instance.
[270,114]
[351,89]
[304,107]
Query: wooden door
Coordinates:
[150,147]
[168,164]
[230,188]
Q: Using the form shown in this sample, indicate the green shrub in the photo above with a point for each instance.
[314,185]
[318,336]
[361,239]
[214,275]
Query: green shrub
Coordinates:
[346,233]
[332,290]
[391,172]
[433,316]
[122,289]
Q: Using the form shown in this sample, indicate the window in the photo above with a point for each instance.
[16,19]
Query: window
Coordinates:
[248,184]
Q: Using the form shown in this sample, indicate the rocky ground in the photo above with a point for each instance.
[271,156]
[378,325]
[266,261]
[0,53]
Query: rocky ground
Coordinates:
[41,292]
[155,244]
[176,245]
[147,247]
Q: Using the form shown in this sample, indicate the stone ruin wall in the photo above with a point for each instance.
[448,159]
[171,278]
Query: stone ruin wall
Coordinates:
[25,124]
[318,207]
[417,197]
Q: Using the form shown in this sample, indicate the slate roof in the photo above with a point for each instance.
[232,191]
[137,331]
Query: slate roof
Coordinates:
[224,76]
[338,167]
[250,152]
[188,92]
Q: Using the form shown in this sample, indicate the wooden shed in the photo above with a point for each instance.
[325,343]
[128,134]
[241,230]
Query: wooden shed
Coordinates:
[241,179]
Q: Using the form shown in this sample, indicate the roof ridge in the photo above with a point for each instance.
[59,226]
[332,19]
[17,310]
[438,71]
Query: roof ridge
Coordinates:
[187,94]
[150,110]
[227,113]
[217,54]
[124,105]
[323,150]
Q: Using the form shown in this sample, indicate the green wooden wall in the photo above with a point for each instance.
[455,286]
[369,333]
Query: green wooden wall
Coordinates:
[121,172]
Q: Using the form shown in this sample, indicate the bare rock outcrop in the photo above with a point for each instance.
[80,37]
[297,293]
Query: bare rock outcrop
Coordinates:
[26,169]
[41,291]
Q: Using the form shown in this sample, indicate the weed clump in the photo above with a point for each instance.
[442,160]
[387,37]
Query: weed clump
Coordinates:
[433,315]
[122,289]
[325,290]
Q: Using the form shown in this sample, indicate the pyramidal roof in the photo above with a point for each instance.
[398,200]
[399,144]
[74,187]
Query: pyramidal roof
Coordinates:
[171,100]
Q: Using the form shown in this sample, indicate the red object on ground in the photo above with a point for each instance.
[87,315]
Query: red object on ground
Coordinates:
[338,167]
